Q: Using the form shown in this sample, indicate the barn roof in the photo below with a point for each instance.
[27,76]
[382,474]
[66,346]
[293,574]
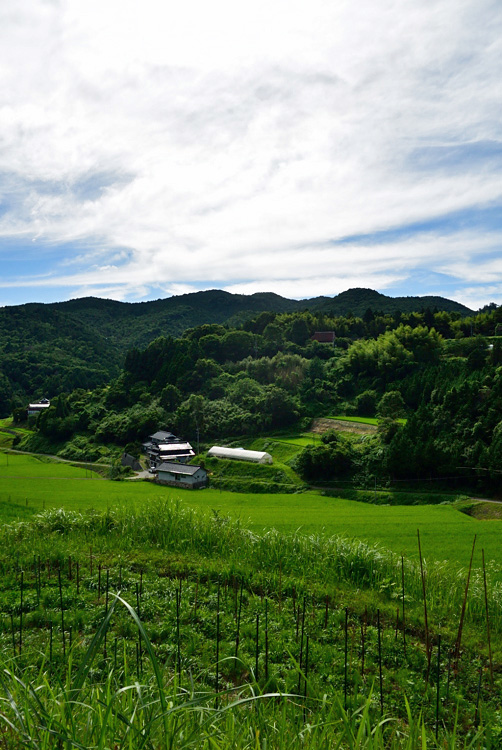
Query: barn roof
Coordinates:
[178,468]
[323,337]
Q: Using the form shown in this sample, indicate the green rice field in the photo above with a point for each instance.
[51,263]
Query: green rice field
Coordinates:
[28,485]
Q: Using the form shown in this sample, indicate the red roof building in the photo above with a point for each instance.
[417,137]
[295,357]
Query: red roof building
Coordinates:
[324,337]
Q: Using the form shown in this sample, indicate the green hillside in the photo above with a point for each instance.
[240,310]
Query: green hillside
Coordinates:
[47,349]
[358,300]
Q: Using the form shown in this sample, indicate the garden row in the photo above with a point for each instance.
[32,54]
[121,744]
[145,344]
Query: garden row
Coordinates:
[161,609]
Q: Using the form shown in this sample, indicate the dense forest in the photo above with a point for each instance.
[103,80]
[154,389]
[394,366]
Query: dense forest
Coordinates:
[46,349]
[433,378]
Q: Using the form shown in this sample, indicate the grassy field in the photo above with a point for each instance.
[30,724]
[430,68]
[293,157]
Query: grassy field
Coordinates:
[28,485]
[299,441]
[446,533]
[205,588]
[42,484]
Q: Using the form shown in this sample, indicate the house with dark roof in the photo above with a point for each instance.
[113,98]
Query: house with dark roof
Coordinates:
[164,446]
[324,337]
[181,475]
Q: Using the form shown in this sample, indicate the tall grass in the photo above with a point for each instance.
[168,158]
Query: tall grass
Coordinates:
[315,562]
[117,712]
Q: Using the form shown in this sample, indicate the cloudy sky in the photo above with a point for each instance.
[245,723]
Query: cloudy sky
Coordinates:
[153,147]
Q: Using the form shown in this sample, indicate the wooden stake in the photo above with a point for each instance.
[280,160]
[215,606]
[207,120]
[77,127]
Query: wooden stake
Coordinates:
[107,589]
[448,677]
[380,660]
[13,635]
[305,687]
[257,650]
[437,686]
[237,637]
[62,611]
[217,644]
[21,615]
[426,623]
[363,644]
[300,661]
[178,645]
[345,668]
[266,639]
[458,642]
[403,595]
[487,617]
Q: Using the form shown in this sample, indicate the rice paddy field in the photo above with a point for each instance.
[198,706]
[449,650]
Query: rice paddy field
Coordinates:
[29,485]
[138,616]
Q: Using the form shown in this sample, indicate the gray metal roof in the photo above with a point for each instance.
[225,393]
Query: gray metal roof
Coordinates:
[178,468]
[163,435]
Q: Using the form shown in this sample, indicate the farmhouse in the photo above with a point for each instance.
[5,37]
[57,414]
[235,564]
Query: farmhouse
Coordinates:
[324,337]
[257,457]
[181,475]
[164,446]
[38,406]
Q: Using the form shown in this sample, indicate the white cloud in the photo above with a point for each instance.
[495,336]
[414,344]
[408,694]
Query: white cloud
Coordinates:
[477,297]
[230,143]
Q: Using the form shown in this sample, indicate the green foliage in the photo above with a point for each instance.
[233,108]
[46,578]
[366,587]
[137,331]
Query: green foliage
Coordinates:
[394,351]
[331,460]
[366,403]
[391,405]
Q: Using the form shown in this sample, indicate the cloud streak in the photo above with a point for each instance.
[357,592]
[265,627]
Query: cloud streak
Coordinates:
[166,148]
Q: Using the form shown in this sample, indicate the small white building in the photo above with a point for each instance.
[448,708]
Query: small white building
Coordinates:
[240,454]
[38,406]
[182,475]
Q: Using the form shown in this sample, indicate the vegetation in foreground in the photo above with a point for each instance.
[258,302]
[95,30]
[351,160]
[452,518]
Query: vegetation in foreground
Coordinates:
[163,628]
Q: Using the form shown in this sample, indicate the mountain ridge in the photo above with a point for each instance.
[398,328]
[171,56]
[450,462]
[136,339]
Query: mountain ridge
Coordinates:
[46,348]
[342,303]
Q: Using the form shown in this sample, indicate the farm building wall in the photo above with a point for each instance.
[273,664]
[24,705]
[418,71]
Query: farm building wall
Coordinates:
[186,485]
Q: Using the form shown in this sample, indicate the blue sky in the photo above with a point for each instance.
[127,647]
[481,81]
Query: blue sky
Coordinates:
[303,148]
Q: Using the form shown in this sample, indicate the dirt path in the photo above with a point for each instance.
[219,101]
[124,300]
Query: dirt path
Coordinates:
[323,425]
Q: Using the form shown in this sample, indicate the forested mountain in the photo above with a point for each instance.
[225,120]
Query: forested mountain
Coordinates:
[357,301]
[49,348]
[439,370]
